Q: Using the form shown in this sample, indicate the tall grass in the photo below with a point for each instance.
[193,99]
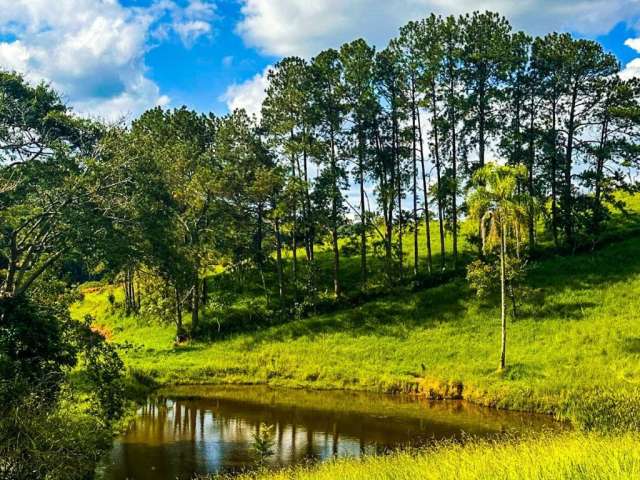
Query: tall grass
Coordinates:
[565,457]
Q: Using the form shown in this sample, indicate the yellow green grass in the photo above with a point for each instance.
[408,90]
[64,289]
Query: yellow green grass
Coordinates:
[573,350]
[564,457]
[577,331]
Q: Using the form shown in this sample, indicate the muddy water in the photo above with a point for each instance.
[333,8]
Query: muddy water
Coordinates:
[197,430]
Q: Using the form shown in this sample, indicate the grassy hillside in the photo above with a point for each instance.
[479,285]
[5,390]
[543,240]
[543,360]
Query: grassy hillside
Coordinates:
[577,339]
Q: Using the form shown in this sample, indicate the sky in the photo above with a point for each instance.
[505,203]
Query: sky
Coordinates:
[113,59]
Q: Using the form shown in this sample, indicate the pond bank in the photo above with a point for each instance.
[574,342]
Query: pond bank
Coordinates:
[198,429]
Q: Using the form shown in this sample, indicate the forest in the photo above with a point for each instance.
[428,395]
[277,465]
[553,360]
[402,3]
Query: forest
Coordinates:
[464,163]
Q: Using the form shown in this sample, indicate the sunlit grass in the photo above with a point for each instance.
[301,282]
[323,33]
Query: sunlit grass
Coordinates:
[577,330]
[565,457]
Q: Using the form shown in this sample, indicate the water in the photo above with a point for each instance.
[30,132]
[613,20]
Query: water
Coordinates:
[197,430]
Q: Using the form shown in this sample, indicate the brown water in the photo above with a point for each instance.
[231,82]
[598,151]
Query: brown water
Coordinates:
[196,430]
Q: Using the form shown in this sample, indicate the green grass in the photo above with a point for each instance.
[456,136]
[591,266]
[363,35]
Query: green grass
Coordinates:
[578,331]
[565,457]
[573,350]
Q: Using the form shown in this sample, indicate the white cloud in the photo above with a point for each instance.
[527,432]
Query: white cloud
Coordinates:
[303,27]
[632,69]
[92,51]
[248,95]
[194,21]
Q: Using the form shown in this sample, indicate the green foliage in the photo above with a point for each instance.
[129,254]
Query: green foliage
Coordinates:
[578,314]
[263,441]
[50,429]
[40,442]
[104,369]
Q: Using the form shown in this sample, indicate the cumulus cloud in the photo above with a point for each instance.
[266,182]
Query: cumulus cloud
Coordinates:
[92,51]
[632,69]
[303,27]
[248,95]
[194,21]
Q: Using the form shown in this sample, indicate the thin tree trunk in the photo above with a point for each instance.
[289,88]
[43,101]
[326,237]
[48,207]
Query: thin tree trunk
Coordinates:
[415,178]
[294,232]
[334,221]
[395,142]
[138,292]
[554,174]
[454,166]
[363,219]
[436,153]
[567,200]
[308,226]
[178,312]
[425,190]
[279,259]
[195,305]
[503,307]
[532,161]
[598,210]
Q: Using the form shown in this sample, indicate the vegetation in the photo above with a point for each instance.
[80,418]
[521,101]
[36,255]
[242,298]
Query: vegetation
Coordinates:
[576,314]
[226,248]
[545,458]
[52,212]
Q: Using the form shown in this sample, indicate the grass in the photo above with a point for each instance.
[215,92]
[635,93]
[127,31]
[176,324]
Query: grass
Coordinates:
[564,457]
[577,332]
[573,351]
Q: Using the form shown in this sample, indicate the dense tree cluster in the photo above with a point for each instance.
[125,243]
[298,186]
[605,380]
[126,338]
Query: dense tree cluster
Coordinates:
[367,147]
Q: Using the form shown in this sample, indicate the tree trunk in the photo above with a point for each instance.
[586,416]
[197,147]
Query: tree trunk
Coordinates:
[294,230]
[396,158]
[195,305]
[178,313]
[532,160]
[598,209]
[387,209]
[554,174]
[454,167]
[425,191]
[503,299]
[415,178]
[279,260]
[363,212]
[307,215]
[567,196]
[436,154]
[334,221]
[205,292]
[137,292]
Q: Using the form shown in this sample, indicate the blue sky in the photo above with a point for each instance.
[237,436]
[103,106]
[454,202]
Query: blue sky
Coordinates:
[114,58]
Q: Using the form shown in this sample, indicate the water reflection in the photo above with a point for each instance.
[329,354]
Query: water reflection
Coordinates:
[175,436]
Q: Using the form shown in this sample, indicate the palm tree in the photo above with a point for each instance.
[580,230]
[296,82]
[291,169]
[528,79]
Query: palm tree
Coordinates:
[502,213]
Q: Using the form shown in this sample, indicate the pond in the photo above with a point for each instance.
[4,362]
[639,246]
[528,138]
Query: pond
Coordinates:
[196,430]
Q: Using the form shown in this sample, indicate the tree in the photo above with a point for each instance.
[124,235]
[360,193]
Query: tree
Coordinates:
[451,78]
[502,213]
[287,122]
[179,145]
[429,51]
[391,83]
[410,43]
[612,149]
[358,60]
[53,186]
[485,56]
[328,105]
